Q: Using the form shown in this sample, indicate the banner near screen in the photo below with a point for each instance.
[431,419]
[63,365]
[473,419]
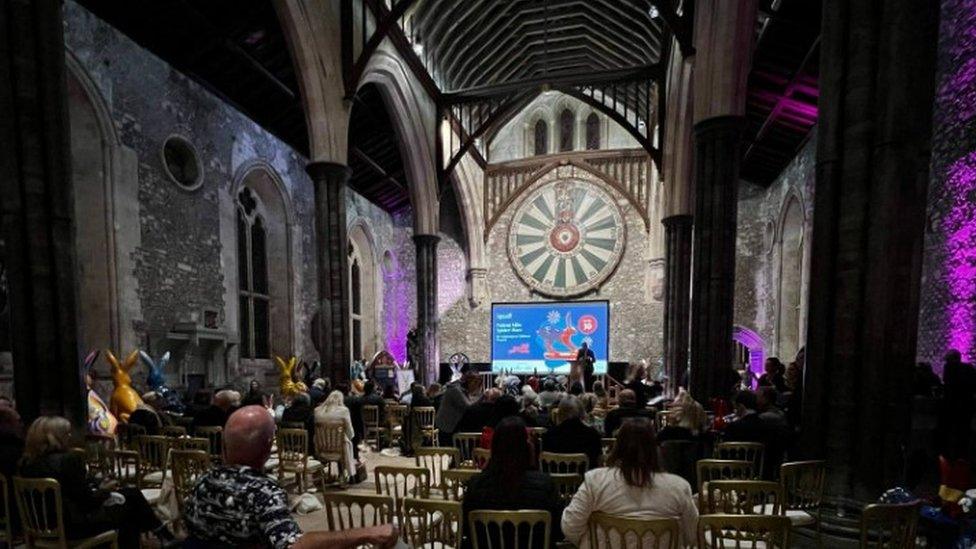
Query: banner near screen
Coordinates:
[543,337]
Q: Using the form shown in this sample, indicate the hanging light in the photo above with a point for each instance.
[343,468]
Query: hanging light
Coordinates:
[653,12]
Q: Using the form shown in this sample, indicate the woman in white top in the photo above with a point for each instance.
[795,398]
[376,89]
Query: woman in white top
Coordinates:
[632,485]
[333,410]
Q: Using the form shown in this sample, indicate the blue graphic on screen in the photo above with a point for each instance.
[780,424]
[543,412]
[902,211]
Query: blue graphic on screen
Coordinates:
[544,337]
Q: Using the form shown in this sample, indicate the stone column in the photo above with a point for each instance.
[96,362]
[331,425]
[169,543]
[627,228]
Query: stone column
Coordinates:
[426,245]
[36,211]
[677,301]
[877,81]
[717,152]
[333,328]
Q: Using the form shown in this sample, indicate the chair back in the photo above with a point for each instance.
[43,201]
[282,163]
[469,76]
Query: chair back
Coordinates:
[753,452]
[455,481]
[742,497]
[663,418]
[96,454]
[402,482]
[153,452]
[803,485]
[125,468]
[215,436]
[394,414]
[371,416]
[437,460]
[188,467]
[743,531]
[128,432]
[681,457]
[555,417]
[424,416]
[481,457]
[344,511]
[526,528]
[173,431]
[551,462]
[889,526]
[427,522]
[191,443]
[722,469]
[641,533]
[330,441]
[292,447]
[466,443]
[566,484]
[40,506]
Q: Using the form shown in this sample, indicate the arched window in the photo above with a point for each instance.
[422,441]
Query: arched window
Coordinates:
[356,312]
[567,122]
[789,338]
[592,132]
[541,137]
[252,269]
[364,324]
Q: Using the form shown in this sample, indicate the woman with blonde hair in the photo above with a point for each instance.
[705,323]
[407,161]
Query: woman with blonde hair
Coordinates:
[690,419]
[86,512]
[332,411]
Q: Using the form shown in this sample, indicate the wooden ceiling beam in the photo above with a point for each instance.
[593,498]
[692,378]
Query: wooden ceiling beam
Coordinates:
[376,168]
[653,72]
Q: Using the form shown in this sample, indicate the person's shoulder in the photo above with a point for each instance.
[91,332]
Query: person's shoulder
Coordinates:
[671,481]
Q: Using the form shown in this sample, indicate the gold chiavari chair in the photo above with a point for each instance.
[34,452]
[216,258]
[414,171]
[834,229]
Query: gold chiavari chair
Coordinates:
[153,456]
[437,460]
[663,418]
[889,525]
[428,523]
[455,482]
[466,443]
[293,456]
[423,419]
[613,531]
[481,457]
[375,430]
[173,431]
[191,443]
[536,434]
[394,420]
[606,446]
[128,433]
[803,488]
[566,484]
[722,469]
[330,447]
[188,466]
[344,511]
[742,497]
[215,435]
[36,498]
[400,483]
[125,469]
[551,462]
[96,454]
[509,528]
[743,532]
[752,452]
[554,416]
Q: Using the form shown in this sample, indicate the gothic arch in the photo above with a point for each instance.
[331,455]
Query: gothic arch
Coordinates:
[754,342]
[365,256]
[790,245]
[413,117]
[274,207]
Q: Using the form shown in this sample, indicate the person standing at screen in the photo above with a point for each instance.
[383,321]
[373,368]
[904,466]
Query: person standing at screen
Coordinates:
[585,359]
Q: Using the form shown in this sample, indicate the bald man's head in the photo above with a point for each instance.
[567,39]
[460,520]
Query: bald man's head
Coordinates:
[627,397]
[248,435]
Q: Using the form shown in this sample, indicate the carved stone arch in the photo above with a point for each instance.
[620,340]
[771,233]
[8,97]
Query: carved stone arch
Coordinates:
[105,176]
[790,254]
[413,117]
[362,240]
[754,342]
[279,220]
[538,112]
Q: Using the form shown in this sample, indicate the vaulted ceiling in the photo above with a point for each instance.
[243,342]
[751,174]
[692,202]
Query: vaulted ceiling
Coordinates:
[374,156]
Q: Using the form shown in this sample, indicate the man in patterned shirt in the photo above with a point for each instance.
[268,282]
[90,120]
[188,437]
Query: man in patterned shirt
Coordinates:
[236,505]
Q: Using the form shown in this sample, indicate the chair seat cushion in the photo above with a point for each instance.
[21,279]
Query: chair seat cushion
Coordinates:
[152,494]
[797,517]
[155,477]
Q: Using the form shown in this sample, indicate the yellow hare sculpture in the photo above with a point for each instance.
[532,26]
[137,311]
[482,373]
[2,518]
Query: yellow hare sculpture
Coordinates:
[125,399]
[286,381]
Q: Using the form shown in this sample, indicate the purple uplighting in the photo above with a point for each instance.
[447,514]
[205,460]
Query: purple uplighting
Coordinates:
[754,343]
[960,253]
[396,304]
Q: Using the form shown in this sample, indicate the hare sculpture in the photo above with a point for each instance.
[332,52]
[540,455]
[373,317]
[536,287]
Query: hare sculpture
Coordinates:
[124,399]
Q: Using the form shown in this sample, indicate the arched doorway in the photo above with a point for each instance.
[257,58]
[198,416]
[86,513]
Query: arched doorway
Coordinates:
[788,340]
[750,343]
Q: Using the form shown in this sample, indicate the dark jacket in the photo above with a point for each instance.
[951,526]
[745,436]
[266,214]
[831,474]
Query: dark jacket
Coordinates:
[147,419]
[749,428]
[617,416]
[777,380]
[451,410]
[79,501]
[572,436]
[213,416]
[477,417]
[535,491]
[376,400]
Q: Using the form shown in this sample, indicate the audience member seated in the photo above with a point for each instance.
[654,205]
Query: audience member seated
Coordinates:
[636,384]
[774,376]
[627,408]
[354,401]
[334,410]
[300,412]
[634,485]
[602,398]
[530,407]
[86,512]
[747,427]
[224,403]
[237,505]
[550,394]
[145,416]
[769,412]
[512,480]
[373,398]
[255,395]
[572,436]
[457,398]
[478,415]
[413,437]
[434,394]
[506,406]
[689,419]
[319,390]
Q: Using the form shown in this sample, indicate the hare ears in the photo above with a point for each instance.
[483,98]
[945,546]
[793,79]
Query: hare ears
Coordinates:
[90,360]
[126,364]
[148,361]
[286,367]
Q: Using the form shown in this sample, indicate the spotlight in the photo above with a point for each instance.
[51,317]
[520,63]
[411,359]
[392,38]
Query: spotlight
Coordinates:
[652,11]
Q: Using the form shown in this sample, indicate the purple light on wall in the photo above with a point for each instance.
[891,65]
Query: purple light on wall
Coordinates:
[959,226]
[752,341]
[396,308]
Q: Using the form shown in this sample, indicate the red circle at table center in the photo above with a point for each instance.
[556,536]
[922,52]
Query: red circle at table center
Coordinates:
[564,237]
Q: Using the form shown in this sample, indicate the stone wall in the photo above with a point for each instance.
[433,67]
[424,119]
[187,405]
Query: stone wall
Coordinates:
[759,248]
[177,251]
[947,312]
